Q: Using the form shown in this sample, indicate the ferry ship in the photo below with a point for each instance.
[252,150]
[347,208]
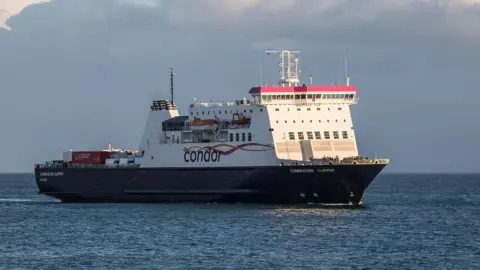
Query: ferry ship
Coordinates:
[288,143]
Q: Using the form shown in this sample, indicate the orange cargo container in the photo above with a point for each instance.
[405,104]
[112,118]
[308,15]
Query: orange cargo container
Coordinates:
[89,157]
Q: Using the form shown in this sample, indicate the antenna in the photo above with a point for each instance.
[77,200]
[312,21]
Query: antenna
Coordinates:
[346,66]
[171,84]
[261,74]
[289,67]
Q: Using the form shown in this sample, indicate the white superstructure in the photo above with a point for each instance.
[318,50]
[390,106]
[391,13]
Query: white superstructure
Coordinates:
[284,124]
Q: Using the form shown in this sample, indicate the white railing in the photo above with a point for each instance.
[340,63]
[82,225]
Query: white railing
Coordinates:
[84,166]
[219,104]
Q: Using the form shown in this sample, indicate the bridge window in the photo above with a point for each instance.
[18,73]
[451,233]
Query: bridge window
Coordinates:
[326,135]
[317,135]
[243,137]
[298,109]
[300,136]
[291,136]
[319,96]
[309,96]
[297,96]
[249,136]
[231,137]
[310,135]
[335,135]
[308,109]
[339,109]
[344,135]
[237,137]
[303,96]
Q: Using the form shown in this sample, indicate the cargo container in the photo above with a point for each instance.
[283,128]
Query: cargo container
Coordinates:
[89,157]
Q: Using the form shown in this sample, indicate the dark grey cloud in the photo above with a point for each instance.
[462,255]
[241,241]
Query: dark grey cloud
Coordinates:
[78,74]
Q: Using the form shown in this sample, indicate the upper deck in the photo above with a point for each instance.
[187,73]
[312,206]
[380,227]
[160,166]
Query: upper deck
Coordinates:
[304,89]
[302,95]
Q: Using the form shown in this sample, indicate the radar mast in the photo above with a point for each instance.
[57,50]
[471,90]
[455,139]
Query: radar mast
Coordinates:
[289,65]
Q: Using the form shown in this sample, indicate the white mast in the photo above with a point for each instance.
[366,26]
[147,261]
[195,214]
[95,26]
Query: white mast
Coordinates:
[346,67]
[289,67]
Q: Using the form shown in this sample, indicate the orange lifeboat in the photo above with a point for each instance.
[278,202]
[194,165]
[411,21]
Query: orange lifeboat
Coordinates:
[207,124]
[240,120]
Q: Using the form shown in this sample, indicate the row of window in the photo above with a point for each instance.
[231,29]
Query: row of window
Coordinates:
[311,121]
[309,96]
[237,136]
[251,111]
[326,135]
[220,112]
[291,135]
[308,109]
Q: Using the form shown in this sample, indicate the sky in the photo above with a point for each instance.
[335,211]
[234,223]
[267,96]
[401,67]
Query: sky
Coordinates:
[79,74]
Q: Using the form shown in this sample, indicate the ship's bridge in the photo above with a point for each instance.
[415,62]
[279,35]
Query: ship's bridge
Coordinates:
[299,95]
[296,95]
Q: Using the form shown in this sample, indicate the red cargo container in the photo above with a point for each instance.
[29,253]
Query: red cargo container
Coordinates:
[89,157]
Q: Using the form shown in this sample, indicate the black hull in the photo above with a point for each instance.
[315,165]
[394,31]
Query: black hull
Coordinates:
[326,184]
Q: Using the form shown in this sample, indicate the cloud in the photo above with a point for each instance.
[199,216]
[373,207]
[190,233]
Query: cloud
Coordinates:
[332,19]
[95,64]
[144,3]
[9,8]
[396,21]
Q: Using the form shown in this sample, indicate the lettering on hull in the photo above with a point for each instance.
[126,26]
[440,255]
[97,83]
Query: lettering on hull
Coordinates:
[325,170]
[201,156]
[302,170]
[51,174]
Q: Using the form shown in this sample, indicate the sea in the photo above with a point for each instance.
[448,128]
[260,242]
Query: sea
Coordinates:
[407,221]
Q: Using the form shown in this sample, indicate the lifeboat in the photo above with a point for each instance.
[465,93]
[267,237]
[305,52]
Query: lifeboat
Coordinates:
[240,120]
[207,124]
